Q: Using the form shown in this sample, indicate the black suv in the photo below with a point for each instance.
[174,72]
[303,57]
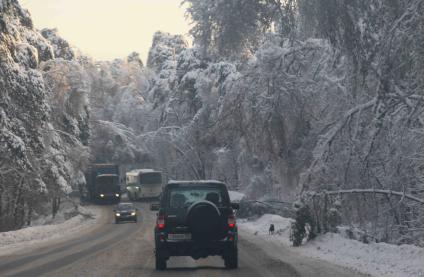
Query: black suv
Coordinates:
[195,218]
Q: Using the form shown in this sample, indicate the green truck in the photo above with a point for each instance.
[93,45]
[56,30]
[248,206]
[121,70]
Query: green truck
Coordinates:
[103,183]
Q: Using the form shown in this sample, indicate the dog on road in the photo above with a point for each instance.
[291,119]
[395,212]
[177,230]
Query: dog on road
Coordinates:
[271,229]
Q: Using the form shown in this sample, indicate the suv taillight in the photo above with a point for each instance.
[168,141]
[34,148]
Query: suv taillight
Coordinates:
[161,222]
[231,221]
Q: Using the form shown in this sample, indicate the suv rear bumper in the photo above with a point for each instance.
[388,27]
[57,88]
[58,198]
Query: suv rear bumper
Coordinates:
[195,249]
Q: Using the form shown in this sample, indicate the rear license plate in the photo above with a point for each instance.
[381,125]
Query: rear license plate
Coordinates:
[186,236]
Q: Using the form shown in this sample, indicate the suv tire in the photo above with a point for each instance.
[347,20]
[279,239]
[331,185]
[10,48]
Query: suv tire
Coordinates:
[160,262]
[231,261]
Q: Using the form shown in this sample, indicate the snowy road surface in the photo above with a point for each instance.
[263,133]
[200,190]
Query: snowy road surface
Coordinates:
[127,250]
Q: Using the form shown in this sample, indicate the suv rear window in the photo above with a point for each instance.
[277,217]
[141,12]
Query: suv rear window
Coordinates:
[184,196]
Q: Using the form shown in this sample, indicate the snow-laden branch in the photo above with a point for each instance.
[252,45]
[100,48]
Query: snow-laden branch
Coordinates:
[272,204]
[158,131]
[159,136]
[326,140]
[413,96]
[372,191]
[331,134]
[412,9]
[408,101]
[118,128]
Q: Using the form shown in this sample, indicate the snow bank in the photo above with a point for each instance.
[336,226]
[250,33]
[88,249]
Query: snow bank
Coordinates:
[236,196]
[34,236]
[376,259]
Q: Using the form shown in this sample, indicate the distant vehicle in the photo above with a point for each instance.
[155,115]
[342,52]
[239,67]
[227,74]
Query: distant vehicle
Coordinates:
[144,183]
[103,183]
[125,212]
[196,218]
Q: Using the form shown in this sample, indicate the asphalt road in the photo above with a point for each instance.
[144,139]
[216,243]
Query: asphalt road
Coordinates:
[127,250]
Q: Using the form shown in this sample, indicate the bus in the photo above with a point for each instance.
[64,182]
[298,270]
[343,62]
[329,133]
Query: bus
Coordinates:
[144,183]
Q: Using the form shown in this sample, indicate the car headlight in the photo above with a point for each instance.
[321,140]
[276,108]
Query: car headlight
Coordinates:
[102,195]
[117,195]
[118,214]
[137,188]
[133,213]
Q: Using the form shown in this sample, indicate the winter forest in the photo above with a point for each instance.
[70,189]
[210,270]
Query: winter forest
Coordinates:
[317,101]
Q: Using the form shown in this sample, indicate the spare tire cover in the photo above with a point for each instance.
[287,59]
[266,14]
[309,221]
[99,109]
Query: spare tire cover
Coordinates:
[204,221]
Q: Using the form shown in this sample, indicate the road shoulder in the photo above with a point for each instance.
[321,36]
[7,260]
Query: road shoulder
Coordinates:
[29,239]
[305,266]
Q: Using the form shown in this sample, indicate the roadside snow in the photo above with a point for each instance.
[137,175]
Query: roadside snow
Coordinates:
[376,259]
[236,196]
[30,237]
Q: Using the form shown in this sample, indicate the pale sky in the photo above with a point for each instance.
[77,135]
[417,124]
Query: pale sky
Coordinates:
[108,29]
